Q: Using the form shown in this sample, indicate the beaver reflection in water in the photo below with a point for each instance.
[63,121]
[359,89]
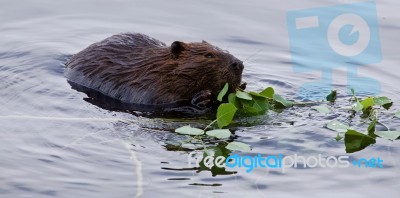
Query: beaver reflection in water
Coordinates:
[137,69]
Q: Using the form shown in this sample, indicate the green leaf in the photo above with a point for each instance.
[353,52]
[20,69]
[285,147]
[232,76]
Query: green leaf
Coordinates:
[357,106]
[338,137]
[397,114]
[233,100]
[268,92]
[390,135]
[188,130]
[252,93]
[247,108]
[337,126]
[332,96]
[356,141]
[223,92]
[238,146]
[261,104]
[371,128]
[367,102]
[321,109]
[219,133]
[382,100]
[225,114]
[243,95]
[387,106]
[283,101]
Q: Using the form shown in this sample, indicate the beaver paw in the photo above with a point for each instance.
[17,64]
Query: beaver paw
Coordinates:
[243,86]
[202,99]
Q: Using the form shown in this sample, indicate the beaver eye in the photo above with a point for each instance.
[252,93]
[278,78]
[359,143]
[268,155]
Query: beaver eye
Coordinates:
[209,55]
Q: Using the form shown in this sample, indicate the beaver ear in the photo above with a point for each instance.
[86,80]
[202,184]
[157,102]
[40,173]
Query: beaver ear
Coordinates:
[176,48]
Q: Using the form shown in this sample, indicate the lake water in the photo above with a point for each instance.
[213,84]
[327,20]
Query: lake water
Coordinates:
[55,144]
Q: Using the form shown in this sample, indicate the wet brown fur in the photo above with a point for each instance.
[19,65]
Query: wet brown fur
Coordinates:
[135,68]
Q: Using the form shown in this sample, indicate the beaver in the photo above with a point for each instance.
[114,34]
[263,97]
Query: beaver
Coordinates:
[135,68]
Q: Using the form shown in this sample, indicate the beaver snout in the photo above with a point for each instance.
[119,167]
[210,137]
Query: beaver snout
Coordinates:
[237,66]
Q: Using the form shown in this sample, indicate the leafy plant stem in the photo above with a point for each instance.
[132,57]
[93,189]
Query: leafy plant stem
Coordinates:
[202,143]
[379,122]
[208,126]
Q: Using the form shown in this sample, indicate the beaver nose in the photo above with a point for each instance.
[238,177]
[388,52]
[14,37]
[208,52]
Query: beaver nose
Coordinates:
[237,65]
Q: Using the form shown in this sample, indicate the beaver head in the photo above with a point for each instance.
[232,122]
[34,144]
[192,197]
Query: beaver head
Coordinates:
[209,65]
